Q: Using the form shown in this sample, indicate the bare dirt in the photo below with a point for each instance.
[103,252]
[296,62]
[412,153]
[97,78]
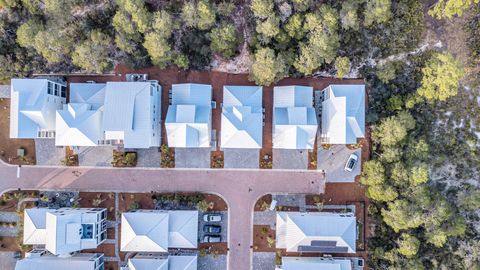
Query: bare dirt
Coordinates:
[99,199]
[261,234]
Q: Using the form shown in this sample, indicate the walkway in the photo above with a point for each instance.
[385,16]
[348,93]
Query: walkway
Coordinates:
[240,188]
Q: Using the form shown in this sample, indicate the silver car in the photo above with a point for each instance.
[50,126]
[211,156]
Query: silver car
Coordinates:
[212,217]
[212,239]
[351,162]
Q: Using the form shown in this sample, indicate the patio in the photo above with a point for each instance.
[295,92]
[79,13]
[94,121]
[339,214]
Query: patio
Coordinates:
[333,160]
[192,157]
[241,158]
[290,159]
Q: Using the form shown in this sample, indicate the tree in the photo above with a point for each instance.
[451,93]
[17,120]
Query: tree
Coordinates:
[373,173]
[26,32]
[301,5]
[419,174]
[402,215]
[342,65]
[349,15]
[53,44]
[268,29]
[381,193]
[450,8]
[206,15]
[377,11]
[181,61]
[440,77]
[189,14]
[138,12]
[158,49]
[224,40]
[163,23]
[393,129]
[93,54]
[294,26]
[408,245]
[266,68]
[386,72]
[262,8]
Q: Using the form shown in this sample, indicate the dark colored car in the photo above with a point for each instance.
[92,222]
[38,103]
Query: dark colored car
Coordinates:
[212,239]
[212,229]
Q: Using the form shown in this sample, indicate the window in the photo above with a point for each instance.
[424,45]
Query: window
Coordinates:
[50,88]
[64,91]
[57,90]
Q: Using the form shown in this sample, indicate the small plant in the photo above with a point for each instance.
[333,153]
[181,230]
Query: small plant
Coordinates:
[97,201]
[270,241]
[205,206]
[167,159]
[264,231]
[326,146]
[264,206]
[202,252]
[134,205]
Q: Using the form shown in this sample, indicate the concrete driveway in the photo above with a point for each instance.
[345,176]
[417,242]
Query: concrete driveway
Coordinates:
[192,157]
[333,161]
[290,159]
[241,158]
[7,261]
[47,153]
[99,156]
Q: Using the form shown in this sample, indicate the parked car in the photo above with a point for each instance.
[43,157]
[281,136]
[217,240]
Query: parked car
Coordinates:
[212,217]
[351,162]
[212,229]
[212,239]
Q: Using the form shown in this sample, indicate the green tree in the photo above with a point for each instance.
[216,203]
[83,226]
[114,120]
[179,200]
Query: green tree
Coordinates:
[419,174]
[373,173]
[440,77]
[386,72]
[224,40]
[267,68]
[342,65]
[93,54]
[53,44]
[138,12]
[163,23]
[393,129]
[377,11]
[181,61]
[189,14]
[349,15]
[206,15]
[294,26]
[122,23]
[262,8]
[408,245]
[402,215]
[381,193]
[301,5]
[27,31]
[450,8]
[158,49]
[268,29]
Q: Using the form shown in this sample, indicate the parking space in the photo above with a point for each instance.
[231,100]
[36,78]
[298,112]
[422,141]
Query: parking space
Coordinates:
[212,262]
[223,224]
[192,157]
[98,156]
[47,153]
[290,159]
[333,161]
[263,260]
[241,158]
[148,158]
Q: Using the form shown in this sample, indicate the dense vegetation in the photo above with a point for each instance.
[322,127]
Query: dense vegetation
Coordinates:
[423,176]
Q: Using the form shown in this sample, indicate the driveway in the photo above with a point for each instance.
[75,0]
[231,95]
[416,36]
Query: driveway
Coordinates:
[290,159]
[47,153]
[149,157]
[96,156]
[7,261]
[241,158]
[223,224]
[333,161]
[239,188]
[192,157]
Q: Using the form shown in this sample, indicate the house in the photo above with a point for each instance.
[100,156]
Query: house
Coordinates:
[157,231]
[294,120]
[343,114]
[80,121]
[316,232]
[189,117]
[131,114]
[33,106]
[161,262]
[314,263]
[65,230]
[41,260]
[242,117]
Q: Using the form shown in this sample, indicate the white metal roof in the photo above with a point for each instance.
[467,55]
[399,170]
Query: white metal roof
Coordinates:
[315,263]
[79,261]
[78,125]
[343,114]
[91,93]
[32,109]
[34,226]
[296,229]
[168,263]
[129,113]
[242,117]
[292,96]
[189,117]
[156,231]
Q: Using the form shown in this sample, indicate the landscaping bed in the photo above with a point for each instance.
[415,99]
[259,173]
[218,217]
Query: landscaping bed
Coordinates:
[263,203]
[167,157]
[108,250]
[212,248]
[312,159]
[110,266]
[263,238]
[8,243]
[124,159]
[98,200]
[9,200]
[216,159]
[266,159]
[71,159]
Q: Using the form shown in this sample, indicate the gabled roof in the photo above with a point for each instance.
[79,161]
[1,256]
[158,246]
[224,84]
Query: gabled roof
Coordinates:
[331,231]
[34,227]
[144,231]
[183,229]
[292,96]
[78,261]
[78,125]
[91,93]
[31,108]
[343,114]
[189,117]
[169,263]
[234,95]
[315,263]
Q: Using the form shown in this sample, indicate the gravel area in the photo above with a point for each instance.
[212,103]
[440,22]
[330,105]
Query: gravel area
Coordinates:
[8,217]
[290,159]
[211,262]
[223,224]
[241,158]
[192,157]
[57,199]
[263,260]
[96,156]
[4,91]
[147,157]
[47,153]
[333,160]
[290,200]
[265,218]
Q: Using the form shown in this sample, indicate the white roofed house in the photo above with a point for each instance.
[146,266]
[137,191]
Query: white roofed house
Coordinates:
[157,231]
[315,263]
[131,114]
[242,117]
[343,114]
[33,106]
[294,120]
[316,232]
[189,117]
[65,230]
[44,261]
[161,262]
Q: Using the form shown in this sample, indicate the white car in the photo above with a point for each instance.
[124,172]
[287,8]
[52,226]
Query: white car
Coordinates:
[212,217]
[351,162]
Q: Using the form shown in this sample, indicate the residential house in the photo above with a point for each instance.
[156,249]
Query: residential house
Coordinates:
[315,263]
[343,114]
[65,230]
[33,105]
[131,114]
[242,117]
[294,120]
[189,117]
[157,231]
[41,260]
[161,262]
[320,232]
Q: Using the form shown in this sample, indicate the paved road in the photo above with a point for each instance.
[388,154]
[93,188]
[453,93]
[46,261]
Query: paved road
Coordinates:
[239,188]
